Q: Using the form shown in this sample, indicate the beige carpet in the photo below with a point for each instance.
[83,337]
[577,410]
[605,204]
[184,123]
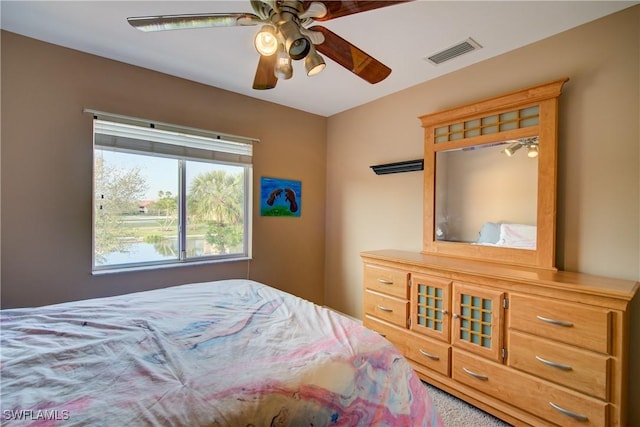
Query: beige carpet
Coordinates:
[457,413]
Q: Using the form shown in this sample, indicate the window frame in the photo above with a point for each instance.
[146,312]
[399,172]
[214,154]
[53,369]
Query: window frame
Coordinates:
[218,140]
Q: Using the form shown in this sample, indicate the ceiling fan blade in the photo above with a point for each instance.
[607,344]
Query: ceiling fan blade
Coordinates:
[203,20]
[351,57]
[265,77]
[336,9]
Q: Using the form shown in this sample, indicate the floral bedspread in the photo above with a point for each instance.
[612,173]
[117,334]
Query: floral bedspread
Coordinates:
[224,353]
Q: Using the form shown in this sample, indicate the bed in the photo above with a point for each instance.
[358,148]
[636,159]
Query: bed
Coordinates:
[223,353]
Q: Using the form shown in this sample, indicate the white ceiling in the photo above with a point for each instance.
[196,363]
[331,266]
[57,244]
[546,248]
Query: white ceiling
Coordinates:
[400,36]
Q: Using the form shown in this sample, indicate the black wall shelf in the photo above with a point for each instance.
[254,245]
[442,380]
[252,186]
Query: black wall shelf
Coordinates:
[406,166]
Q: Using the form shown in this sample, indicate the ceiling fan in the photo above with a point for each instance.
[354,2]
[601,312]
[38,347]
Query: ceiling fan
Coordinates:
[287,34]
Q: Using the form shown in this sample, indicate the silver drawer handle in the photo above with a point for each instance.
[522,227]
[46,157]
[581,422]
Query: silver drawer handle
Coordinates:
[385,281]
[429,355]
[555,322]
[569,413]
[554,364]
[389,310]
[473,374]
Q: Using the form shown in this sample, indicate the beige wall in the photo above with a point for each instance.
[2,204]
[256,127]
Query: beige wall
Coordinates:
[599,160]
[46,174]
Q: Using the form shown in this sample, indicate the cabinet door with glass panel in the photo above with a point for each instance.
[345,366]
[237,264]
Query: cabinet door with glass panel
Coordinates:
[431,306]
[477,320]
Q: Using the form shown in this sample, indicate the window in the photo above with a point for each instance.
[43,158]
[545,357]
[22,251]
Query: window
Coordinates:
[166,195]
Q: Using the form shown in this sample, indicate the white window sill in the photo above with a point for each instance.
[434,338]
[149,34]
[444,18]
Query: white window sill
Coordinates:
[134,268]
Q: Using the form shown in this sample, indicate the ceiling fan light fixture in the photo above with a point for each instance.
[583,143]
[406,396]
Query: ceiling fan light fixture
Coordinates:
[299,48]
[296,45]
[266,41]
[314,63]
[283,69]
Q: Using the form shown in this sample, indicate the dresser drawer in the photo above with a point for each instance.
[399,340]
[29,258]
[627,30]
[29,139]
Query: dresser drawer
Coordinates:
[428,353]
[543,399]
[391,332]
[578,369]
[575,324]
[386,280]
[391,309]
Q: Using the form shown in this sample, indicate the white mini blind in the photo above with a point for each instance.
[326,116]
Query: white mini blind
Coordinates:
[131,134]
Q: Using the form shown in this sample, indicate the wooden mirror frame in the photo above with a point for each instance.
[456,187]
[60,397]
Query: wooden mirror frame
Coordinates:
[545,96]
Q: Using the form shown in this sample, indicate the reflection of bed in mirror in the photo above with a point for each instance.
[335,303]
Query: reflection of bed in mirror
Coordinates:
[504,234]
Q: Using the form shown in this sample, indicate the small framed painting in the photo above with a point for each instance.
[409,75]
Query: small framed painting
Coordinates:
[280,197]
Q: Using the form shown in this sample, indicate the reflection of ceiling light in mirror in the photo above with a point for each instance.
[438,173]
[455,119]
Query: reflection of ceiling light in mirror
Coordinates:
[530,143]
[509,151]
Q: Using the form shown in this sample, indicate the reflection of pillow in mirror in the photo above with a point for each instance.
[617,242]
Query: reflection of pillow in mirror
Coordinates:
[490,233]
[518,236]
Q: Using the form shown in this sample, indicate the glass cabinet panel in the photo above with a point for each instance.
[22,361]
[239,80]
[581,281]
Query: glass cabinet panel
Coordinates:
[430,311]
[477,315]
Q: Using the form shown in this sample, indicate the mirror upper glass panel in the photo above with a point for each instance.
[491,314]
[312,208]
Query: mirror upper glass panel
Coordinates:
[510,120]
[487,194]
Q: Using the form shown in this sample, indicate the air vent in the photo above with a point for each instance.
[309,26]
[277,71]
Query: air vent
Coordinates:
[466,46]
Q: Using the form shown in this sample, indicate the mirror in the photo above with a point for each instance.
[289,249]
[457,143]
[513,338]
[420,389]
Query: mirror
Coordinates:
[487,194]
[490,178]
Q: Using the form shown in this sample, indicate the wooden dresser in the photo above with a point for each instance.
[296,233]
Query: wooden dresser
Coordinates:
[533,347]
[482,311]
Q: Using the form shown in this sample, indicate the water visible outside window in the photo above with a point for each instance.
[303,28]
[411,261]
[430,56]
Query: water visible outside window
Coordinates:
[137,208]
